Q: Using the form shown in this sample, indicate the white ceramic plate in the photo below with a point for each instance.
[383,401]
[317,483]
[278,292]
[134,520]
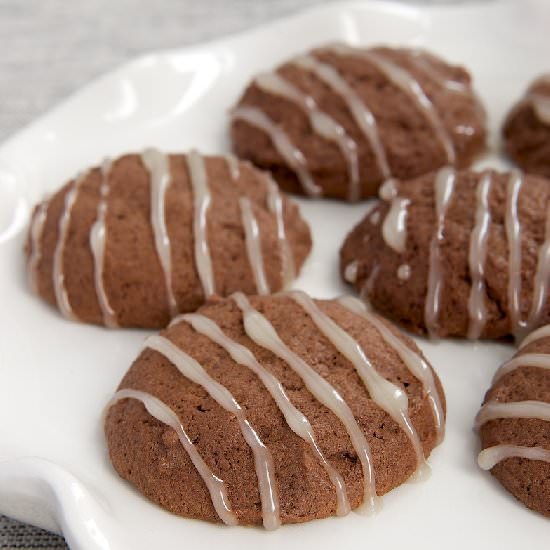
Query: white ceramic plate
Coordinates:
[56,375]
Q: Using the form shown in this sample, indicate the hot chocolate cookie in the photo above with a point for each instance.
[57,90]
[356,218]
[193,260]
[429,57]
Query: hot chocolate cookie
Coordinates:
[145,237]
[526,131]
[514,424]
[339,121]
[456,254]
[275,409]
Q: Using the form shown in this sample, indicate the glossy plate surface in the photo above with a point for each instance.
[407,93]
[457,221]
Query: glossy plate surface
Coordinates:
[56,375]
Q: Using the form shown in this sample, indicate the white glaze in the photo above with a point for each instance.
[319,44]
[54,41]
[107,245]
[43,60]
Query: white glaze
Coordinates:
[276,207]
[514,409]
[233,165]
[394,227]
[375,217]
[253,245]
[539,334]
[405,81]
[404,272]
[541,106]
[201,200]
[297,421]
[513,235]
[361,114]
[388,190]
[540,360]
[61,295]
[444,186]
[159,410]
[265,470]
[413,360]
[37,229]
[477,308]
[389,397]
[280,140]
[98,237]
[369,285]
[424,60]
[261,331]
[493,455]
[322,123]
[350,272]
[158,166]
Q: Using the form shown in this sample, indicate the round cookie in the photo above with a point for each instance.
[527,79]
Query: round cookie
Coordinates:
[456,253]
[526,131]
[145,237]
[338,121]
[275,409]
[514,424]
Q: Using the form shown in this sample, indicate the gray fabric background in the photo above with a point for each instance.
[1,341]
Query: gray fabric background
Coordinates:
[49,48]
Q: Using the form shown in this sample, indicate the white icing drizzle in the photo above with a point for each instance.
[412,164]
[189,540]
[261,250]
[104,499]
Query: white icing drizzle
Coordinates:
[202,200]
[515,409]
[513,234]
[159,410]
[542,279]
[413,360]
[539,360]
[322,123]
[394,227]
[539,334]
[350,272]
[297,421]
[388,190]
[265,470]
[61,296]
[424,61]
[158,166]
[98,236]
[276,207]
[444,186]
[253,245]
[491,456]
[541,106]
[290,153]
[404,272]
[389,397]
[477,308]
[409,85]
[369,285]
[261,331]
[233,164]
[37,229]
[362,115]
[375,217]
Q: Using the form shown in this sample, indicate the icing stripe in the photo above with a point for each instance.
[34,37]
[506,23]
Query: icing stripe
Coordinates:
[413,360]
[424,61]
[394,228]
[253,245]
[37,229]
[233,165]
[158,166]
[98,236]
[159,410]
[202,200]
[265,470]
[322,123]
[541,106]
[513,234]
[444,186]
[540,360]
[539,334]
[493,410]
[63,302]
[276,207]
[389,397]
[491,456]
[361,114]
[477,308]
[290,153]
[261,331]
[297,421]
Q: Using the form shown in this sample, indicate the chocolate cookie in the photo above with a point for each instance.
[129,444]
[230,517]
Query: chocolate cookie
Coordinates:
[276,409]
[456,254]
[145,237]
[514,424]
[526,131]
[339,121]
